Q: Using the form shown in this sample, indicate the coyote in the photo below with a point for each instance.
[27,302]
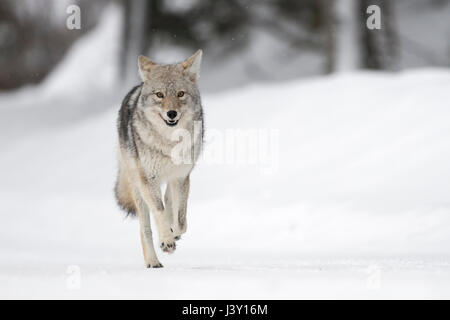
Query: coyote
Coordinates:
[168,99]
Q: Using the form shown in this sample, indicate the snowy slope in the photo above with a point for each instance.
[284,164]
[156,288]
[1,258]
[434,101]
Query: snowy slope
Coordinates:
[355,204]
[362,183]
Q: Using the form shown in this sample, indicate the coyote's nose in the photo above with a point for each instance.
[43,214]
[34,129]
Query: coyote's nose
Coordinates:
[171,114]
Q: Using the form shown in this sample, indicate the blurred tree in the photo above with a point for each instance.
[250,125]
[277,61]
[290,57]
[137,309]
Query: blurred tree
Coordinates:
[134,40]
[334,29]
[378,46]
[198,24]
[351,44]
[327,18]
[34,37]
[348,48]
[299,22]
[212,24]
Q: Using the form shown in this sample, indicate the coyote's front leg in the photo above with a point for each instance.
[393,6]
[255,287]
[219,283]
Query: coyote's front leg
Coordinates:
[152,196]
[151,260]
[180,191]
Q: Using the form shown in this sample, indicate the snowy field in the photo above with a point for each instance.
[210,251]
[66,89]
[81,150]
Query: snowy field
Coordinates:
[351,202]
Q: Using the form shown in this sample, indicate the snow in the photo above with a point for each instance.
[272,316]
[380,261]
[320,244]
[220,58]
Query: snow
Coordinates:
[355,204]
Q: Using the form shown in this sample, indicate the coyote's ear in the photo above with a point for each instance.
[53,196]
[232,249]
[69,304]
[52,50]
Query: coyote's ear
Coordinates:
[145,64]
[192,64]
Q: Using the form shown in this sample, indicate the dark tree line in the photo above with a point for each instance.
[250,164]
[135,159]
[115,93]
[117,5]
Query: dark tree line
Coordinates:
[304,24]
[30,45]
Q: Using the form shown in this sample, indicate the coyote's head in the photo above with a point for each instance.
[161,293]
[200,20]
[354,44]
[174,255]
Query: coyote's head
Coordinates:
[170,94]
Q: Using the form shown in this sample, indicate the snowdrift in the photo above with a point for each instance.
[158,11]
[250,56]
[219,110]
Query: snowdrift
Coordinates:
[361,172]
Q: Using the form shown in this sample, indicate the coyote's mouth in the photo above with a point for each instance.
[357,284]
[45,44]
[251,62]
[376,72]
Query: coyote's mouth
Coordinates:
[171,123]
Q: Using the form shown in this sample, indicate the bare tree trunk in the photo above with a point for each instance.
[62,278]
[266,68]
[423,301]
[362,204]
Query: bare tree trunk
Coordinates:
[136,13]
[391,34]
[328,20]
[347,44]
[379,46]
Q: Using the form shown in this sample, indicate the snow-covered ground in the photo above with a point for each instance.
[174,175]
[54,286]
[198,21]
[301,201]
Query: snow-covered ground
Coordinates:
[349,200]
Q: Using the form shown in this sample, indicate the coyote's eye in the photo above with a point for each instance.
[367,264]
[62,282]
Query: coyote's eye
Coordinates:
[160,95]
[180,94]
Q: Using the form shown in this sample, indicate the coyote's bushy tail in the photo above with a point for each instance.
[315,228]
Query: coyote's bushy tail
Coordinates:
[123,195]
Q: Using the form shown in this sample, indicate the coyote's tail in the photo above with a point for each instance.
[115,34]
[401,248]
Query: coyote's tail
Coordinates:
[123,195]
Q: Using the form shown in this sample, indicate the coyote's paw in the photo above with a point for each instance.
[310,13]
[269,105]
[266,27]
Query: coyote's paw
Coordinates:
[168,246]
[154,264]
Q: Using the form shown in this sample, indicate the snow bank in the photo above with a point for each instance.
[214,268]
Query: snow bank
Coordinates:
[362,167]
[362,174]
[92,62]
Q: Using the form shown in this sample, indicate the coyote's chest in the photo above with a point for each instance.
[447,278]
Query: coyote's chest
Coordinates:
[169,160]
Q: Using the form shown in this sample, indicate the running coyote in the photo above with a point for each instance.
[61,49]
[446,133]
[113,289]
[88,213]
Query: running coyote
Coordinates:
[168,99]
